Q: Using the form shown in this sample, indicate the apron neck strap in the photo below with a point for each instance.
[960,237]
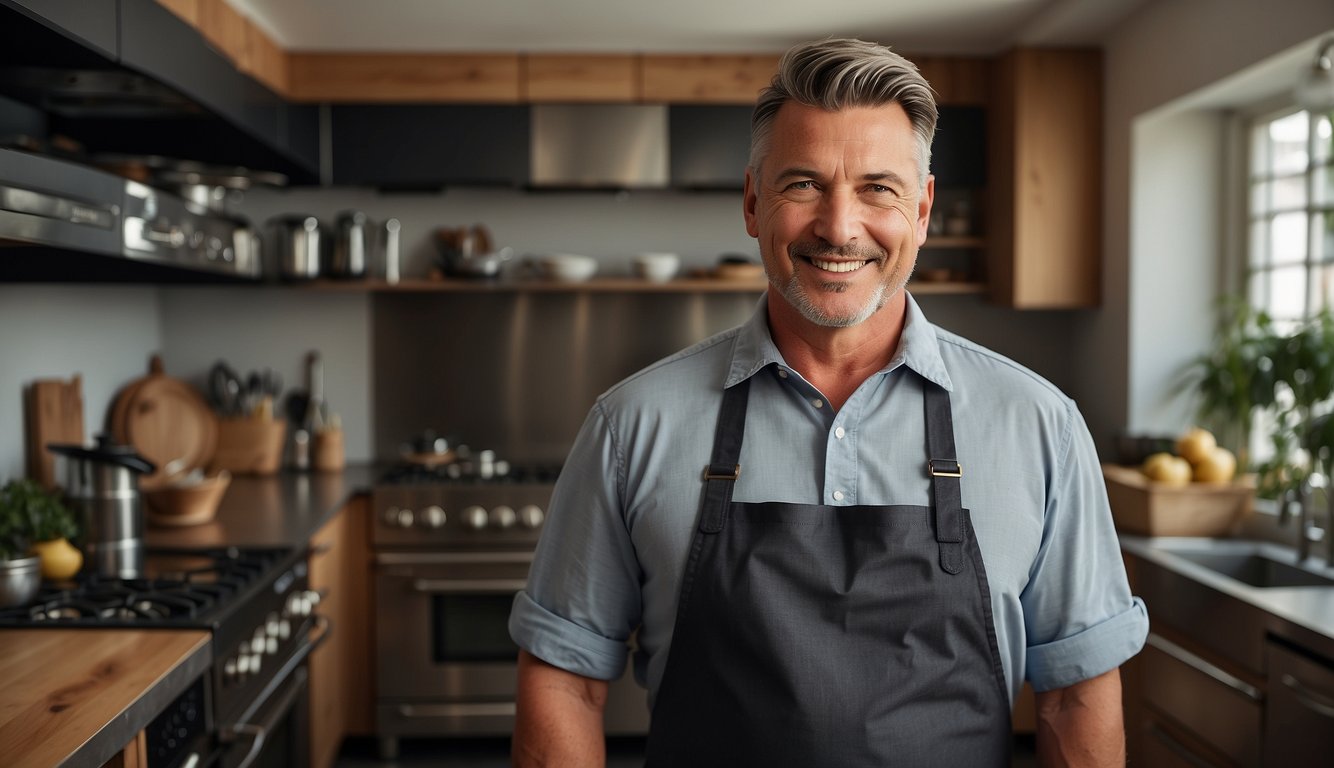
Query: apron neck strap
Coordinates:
[724,467]
[942,464]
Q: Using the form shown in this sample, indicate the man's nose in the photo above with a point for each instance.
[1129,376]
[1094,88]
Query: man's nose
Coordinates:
[836,221]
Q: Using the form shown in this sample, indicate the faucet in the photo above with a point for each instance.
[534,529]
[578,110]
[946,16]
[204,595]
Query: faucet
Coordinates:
[1306,518]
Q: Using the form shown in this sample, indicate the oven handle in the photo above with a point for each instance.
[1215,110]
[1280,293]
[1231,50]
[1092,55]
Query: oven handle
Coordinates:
[258,731]
[468,586]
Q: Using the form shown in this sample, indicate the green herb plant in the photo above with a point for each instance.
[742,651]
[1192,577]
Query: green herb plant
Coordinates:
[29,513]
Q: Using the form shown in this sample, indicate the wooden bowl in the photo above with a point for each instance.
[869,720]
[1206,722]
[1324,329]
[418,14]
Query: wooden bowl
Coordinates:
[180,504]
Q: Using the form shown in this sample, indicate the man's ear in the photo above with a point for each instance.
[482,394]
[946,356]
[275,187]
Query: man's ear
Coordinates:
[924,204]
[749,199]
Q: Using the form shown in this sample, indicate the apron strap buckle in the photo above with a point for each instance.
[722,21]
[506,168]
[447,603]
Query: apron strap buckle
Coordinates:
[944,468]
[722,472]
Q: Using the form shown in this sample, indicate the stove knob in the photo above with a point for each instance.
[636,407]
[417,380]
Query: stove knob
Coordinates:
[391,517]
[284,629]
[271,625]
[503,517]
[229,671]
[531,516]
[312,600]
[271,646]
[405,518]
[434,517]
[257,642]
[475,517]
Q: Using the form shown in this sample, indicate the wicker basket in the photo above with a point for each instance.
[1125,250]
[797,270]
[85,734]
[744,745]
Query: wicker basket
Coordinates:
[1143,507]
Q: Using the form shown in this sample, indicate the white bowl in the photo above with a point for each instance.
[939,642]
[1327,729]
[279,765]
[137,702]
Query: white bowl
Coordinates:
[569,267]
[657,267]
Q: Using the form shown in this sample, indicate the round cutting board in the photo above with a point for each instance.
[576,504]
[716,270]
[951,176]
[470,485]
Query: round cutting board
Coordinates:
[166,420]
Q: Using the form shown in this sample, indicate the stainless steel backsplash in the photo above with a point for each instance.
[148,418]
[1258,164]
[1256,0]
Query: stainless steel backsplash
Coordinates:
[518,371]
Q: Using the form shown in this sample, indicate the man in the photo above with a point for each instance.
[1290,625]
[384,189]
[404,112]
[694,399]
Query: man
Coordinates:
[911,527]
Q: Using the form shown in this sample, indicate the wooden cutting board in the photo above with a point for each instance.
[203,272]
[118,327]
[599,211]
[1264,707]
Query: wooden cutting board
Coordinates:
[166,420]
[54,415]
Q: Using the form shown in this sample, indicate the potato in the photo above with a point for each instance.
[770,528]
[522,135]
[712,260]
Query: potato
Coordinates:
[1218,467]
[1196,445]
[1167,469]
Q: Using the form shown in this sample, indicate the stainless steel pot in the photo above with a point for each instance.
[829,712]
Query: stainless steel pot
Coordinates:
[20,579]
[299,243]
[102,484]
[352,246]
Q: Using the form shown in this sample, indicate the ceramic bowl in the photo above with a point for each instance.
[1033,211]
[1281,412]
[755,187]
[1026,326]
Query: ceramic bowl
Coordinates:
[657,267]
[568,267]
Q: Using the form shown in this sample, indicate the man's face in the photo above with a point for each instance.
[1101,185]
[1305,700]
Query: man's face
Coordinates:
[837,209]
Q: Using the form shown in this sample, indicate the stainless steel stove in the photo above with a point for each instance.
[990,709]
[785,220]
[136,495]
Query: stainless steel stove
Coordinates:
[257,606]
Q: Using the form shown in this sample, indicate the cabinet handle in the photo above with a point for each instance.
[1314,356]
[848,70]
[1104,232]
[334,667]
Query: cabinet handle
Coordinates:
[1200,665]
[1311,699]
[1180,750]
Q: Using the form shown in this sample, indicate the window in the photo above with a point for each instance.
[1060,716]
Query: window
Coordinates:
[1290,254]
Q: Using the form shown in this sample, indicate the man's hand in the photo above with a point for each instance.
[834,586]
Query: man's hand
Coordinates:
[1082,725]
[559,720]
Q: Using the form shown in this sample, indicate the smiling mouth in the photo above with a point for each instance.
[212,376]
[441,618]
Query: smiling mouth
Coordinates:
[839,266]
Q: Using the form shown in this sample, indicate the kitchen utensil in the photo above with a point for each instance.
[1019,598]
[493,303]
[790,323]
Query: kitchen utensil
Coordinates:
[55,415]
[391,250]
[102,483]
[315,412]
[20,579]
[300,241]
[467,252]
[224,389]
[164,418]
[351,246]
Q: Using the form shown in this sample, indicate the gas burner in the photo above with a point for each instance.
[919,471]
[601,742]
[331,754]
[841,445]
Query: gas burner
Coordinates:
[181,588]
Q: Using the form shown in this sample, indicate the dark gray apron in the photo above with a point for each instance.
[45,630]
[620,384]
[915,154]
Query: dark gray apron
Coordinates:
[808,635]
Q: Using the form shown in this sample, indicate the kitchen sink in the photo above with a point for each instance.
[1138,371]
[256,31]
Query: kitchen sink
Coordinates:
[1256,569]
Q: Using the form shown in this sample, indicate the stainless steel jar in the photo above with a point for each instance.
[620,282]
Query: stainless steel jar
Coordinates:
[299,242]
[102,484]
[351,247]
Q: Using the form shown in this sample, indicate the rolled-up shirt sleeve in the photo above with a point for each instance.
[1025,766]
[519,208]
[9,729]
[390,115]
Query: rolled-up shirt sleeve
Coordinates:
[582,598]
[1079,615]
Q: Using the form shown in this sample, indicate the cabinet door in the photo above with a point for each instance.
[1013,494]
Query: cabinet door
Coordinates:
[710,145]
[1299,728]
[340,689]
[1046,179]
[429,145]
[1217,708]
[91,23]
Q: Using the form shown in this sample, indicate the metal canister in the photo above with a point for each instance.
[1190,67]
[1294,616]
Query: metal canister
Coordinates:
[101,482]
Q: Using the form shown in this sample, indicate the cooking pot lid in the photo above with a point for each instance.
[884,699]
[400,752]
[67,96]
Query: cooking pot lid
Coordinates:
[107,451]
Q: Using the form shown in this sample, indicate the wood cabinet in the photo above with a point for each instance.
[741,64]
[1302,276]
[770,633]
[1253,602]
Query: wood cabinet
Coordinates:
[575,78]
[1045,179]
[403,77]
[340,682]
[716,79]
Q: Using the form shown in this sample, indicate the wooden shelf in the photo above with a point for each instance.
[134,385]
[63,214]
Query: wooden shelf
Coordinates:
[936,242]
[595,285]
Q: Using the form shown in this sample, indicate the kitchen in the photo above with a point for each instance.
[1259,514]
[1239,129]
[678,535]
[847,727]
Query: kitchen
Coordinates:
[396,363]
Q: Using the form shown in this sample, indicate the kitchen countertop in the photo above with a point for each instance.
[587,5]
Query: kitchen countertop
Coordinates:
[80,695]
[1304,614]
[271,511]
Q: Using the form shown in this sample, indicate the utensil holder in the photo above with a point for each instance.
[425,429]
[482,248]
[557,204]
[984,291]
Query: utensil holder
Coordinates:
[249,446]
[327,453]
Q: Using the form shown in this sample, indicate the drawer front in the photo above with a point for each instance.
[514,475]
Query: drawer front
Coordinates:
[1220,710]
[1165,747]
[1300,730]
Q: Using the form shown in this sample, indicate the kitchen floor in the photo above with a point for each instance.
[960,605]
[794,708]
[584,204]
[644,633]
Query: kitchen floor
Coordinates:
[622,752]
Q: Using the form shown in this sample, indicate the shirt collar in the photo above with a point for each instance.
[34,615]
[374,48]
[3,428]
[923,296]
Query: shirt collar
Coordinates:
[918,349]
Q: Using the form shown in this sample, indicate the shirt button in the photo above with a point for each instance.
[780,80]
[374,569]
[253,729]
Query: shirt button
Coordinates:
[840,432]
[782,374]
[818,403]
[838,495]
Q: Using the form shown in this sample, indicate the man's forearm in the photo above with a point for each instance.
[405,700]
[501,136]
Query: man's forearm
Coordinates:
[559,718]
[1082,725]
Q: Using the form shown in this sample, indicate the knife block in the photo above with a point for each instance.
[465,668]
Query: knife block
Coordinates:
[249,446]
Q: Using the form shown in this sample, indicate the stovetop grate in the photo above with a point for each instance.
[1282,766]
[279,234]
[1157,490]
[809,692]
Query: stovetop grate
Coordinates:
[181,588]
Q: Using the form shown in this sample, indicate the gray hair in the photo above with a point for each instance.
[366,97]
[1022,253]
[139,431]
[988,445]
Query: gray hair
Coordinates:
[836,74]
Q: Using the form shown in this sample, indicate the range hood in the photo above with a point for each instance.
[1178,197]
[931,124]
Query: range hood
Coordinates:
[599,146]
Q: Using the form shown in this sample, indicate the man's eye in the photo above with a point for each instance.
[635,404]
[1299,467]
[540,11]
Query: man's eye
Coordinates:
[801,185]
[880,189]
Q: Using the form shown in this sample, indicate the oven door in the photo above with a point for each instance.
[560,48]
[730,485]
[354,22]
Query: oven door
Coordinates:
[445,662]
[274,731]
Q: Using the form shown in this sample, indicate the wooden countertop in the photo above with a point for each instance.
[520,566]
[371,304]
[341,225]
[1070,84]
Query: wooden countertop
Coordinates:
[78,696]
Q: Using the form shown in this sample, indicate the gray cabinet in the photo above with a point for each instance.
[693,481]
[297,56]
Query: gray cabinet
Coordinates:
[1300,724]
[90,23]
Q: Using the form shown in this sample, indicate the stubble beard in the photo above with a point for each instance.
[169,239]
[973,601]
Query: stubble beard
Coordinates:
[799,298]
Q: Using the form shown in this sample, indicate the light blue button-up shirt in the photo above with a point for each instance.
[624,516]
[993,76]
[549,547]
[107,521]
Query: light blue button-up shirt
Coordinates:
[620,522]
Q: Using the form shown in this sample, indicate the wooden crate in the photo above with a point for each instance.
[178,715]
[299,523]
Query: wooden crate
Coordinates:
[1143,507]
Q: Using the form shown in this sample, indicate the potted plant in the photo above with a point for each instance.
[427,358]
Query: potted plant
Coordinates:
[1259,375]
[34,521]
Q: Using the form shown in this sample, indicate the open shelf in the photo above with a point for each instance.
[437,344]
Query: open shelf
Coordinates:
[595,285]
